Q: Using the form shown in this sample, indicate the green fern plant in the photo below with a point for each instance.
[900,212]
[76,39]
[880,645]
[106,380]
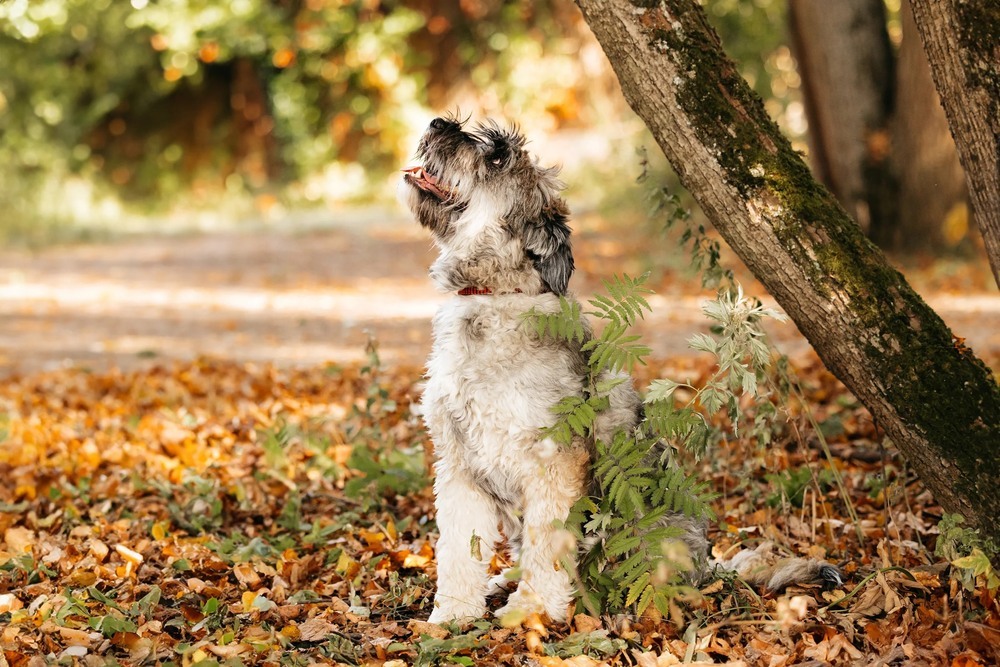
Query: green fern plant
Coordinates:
[631,557]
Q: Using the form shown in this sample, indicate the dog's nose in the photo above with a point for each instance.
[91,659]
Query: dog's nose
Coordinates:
[439,124]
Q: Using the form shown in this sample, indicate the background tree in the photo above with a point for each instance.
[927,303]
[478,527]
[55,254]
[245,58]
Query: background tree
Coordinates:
[934,398]
[962,41]
[846,63]
[878,136]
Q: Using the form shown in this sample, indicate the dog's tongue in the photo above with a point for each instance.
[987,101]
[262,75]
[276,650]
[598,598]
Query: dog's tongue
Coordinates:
[425,180]
[419,174]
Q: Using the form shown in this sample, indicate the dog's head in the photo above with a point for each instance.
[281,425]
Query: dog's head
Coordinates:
[480,193]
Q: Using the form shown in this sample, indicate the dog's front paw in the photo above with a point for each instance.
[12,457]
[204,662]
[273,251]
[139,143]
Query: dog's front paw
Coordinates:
[501,583]
[526,602]
[455,611]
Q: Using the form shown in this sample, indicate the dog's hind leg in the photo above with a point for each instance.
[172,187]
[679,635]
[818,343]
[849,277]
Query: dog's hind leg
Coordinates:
[556,481]
[468,521]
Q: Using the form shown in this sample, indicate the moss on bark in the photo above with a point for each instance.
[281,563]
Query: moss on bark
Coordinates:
[978,28]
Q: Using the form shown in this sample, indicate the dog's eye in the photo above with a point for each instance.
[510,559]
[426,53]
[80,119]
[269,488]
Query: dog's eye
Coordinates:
[496,156]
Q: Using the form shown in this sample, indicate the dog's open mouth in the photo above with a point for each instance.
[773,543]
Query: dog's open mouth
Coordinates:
[427,182]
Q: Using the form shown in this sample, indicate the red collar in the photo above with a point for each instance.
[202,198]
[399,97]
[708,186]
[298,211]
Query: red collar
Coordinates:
[476,291]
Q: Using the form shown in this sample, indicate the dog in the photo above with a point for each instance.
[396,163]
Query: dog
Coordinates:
[501,229]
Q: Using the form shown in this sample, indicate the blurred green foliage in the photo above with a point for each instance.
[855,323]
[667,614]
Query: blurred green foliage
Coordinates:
[154,101]
[151,95]
[755,34]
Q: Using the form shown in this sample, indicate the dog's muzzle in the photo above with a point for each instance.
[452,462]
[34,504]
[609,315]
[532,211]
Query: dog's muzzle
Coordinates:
[426,181]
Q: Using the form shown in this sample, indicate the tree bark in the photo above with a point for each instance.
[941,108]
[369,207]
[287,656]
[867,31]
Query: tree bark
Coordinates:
[962,42]
[924,158]
[934,398]
[845,61]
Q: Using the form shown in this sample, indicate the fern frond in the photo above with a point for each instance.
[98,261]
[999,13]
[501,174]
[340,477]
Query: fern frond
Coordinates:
[637,588]
[621,543]
[625,302]
[566,324]
[615,350]
[644,599]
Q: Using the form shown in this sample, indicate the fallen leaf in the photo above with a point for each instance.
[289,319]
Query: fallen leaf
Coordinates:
[315,629]
[9,602]
[585,623]
[19,539]
[431,629]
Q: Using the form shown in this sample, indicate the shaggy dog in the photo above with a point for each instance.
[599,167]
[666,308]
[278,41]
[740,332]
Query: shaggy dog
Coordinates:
[501,228]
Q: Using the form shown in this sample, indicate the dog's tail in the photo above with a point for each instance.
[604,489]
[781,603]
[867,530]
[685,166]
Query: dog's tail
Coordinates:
[762,569]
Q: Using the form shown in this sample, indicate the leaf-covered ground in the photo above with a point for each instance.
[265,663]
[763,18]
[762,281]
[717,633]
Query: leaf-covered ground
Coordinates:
[215,512]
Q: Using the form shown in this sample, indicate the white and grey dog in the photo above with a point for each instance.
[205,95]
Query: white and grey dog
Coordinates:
[500,225]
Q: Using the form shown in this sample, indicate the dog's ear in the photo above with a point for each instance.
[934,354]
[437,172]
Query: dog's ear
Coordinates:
[546,242]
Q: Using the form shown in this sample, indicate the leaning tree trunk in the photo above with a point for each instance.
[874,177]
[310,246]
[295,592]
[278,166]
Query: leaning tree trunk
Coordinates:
[934,398]
[845,60]
[962,41]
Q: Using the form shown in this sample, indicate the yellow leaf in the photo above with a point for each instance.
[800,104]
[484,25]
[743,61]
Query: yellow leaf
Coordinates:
[82,578]
[533,642]
[159,530]
[347,567]
[534,622]
[247,600]
[415,560]
[513,618]
[975,561]
[956,224]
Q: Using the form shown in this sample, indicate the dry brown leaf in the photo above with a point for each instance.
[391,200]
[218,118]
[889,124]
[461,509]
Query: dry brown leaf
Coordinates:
[434,630]
[651,659]
[19,539]
[107,428]
[71,636]
[316,629]
[229,650]
[585,623]
[246,575]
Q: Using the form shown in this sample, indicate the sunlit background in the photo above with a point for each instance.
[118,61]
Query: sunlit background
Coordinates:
[136,124]
[198,113]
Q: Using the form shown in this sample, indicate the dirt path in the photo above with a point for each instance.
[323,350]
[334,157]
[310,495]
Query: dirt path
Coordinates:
[298,297]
